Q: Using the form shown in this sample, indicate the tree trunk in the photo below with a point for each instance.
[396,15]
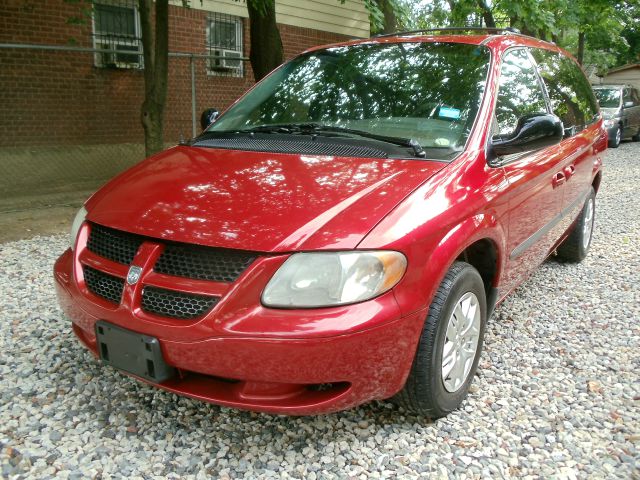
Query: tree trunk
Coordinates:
[487,16]
[580,56]
[155,43]
[390,20]
[266,44]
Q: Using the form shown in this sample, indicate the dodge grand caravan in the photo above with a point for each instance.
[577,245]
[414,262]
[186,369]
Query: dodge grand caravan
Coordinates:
[342,232]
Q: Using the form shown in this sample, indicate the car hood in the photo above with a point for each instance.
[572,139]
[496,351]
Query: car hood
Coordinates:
[256,201]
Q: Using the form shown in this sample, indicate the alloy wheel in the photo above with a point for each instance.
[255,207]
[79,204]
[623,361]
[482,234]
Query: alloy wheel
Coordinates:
[461,342]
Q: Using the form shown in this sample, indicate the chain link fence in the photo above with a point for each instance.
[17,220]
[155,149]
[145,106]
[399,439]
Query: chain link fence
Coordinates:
[70,116]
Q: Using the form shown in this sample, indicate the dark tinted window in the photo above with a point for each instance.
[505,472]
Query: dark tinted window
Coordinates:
[570,93]
[520,92]
[430,92]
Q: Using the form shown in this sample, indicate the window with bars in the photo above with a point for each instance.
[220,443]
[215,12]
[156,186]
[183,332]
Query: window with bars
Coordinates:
[224,45]
[116,26]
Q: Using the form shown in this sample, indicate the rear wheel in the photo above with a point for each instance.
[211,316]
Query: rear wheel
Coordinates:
[616,138]
[449,347]
[576,245]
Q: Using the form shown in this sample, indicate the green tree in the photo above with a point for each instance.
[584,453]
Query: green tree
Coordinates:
[599,32]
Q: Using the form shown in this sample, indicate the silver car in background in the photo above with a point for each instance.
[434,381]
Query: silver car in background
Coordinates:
[620,105]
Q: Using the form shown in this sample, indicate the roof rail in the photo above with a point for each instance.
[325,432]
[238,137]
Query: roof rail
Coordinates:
[510,30]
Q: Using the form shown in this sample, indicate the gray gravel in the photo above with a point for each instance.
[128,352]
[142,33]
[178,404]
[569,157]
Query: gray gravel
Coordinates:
[558,393]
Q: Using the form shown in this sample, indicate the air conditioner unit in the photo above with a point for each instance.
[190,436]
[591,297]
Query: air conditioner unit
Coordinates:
[119,59]
[225,61]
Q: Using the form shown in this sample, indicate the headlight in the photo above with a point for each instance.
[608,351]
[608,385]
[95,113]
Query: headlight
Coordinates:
[325,279]
[609,123]
[77,223]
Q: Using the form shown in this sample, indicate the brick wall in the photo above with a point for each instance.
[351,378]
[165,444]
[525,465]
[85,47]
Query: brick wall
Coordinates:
[61,98]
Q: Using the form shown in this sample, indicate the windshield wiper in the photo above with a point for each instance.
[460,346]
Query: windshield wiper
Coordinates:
[312,128]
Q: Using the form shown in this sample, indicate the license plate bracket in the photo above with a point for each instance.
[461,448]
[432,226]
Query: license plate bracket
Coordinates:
[132,352]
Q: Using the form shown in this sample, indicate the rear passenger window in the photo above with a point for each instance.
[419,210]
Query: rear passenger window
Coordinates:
[520,92]
[570,93]
[635,97]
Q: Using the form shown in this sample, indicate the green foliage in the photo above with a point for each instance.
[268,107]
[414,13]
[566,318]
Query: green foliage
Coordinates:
[610,28]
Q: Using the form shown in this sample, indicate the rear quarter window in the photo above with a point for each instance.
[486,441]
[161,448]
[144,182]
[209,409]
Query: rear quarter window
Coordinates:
[570,93]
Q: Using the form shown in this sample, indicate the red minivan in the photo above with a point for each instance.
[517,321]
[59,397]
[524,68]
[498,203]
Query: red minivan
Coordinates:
[342,232]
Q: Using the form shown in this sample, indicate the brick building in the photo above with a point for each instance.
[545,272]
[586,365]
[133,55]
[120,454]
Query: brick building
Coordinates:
[57,105]
[69,91]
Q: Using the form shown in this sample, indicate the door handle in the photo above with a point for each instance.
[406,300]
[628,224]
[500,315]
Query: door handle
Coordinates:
[569,171]
[558,179]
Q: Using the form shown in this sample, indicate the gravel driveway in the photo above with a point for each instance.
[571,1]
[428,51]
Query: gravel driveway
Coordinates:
[558,392]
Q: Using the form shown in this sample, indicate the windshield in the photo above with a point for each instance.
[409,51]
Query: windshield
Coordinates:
[608,97]
[427,92]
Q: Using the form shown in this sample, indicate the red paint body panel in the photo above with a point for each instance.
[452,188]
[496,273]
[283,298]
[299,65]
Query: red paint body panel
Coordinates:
[245,355]
[265,202]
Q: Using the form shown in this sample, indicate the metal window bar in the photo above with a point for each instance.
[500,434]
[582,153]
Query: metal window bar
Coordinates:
[116,27]
[224,43]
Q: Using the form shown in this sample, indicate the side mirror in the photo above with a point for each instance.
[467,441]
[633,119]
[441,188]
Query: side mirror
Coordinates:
[628,104]
[533,132]
[208,117]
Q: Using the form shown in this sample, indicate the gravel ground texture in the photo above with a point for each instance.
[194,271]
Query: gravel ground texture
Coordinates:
[557,393]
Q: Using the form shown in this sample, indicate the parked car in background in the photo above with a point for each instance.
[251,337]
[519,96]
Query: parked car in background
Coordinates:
[620,105]
[343,232]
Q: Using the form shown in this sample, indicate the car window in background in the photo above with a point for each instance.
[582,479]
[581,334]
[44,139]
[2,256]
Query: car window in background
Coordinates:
[635,97]
[608,97]
[627,96]
[570,93]
[520,92]
[430,92]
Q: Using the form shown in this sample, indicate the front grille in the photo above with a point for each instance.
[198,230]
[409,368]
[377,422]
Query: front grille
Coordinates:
[169,303]
[113,244]
[203,263]
[103,285]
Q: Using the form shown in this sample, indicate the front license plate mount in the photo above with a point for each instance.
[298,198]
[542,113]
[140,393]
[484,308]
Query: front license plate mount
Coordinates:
[132,352]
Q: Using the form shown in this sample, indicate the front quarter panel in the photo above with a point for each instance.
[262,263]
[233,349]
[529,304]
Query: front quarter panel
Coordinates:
[458,206]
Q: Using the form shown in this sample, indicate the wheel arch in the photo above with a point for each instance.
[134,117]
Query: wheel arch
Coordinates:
[479,240]
[483,256]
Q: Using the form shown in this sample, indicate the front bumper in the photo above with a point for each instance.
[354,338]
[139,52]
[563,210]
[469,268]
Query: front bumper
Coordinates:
[310,374]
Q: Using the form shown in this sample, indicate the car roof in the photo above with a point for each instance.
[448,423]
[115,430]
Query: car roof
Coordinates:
[494,38]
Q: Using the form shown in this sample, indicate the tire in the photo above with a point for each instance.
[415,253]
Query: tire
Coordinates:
[614,141]
[425,392]
[576,246]
[636,137]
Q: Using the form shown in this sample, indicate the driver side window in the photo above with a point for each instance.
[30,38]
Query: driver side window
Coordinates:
[519,93]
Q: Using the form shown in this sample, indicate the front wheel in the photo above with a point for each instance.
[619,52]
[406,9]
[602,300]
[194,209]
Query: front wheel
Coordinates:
[575,247]
[450,345]
[616,138]
[636,137]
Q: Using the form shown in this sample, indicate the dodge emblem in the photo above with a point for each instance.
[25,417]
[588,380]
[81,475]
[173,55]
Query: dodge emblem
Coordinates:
[134,275]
